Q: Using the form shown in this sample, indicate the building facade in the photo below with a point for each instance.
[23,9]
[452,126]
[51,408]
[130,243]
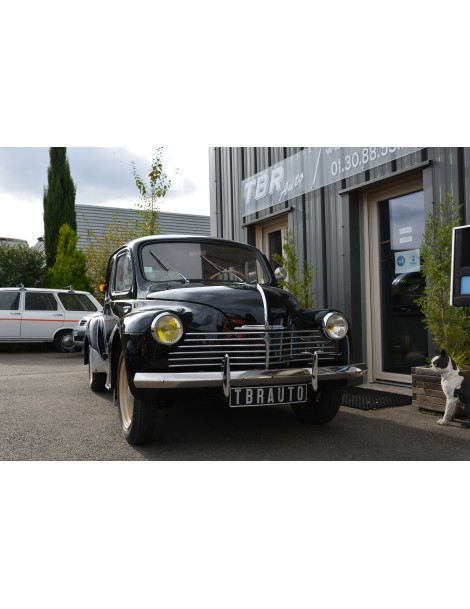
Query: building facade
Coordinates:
[12,242]
[99,217]
[357,215]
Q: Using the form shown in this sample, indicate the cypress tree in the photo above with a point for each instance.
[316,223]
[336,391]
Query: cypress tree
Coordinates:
[59,201]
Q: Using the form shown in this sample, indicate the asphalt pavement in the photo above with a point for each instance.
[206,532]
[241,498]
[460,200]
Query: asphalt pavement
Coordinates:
[48,413]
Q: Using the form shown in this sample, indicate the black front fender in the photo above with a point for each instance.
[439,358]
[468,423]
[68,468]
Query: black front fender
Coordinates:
[95,335]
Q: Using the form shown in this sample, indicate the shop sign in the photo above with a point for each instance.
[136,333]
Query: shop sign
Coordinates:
[407,261]
[308,170]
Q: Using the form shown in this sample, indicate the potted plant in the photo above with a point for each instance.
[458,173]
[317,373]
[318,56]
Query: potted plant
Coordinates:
[297,280]
[448,326]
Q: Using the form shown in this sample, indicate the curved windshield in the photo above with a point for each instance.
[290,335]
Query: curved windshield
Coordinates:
[186,261]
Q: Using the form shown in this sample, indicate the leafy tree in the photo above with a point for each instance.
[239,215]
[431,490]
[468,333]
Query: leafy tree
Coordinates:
[21,264]
[449,326]
[299,280]
[151,195]
[101,246]
[58,201]
[70,267]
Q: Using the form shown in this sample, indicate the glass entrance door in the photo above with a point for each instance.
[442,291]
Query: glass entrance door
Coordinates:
[270,238]
[399,340]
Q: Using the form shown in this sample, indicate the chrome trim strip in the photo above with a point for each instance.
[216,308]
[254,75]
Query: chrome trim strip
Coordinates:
[226,376]
[315,371]
[267,337]
[265,305]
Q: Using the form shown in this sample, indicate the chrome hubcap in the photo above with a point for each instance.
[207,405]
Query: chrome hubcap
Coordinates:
[67,341]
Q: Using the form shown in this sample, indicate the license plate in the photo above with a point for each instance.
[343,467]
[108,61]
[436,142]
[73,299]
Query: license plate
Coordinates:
[267,396]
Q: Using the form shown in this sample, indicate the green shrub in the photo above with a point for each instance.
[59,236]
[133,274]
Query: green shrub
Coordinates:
[21,264]
[299,280]
[70,264]
[449,326]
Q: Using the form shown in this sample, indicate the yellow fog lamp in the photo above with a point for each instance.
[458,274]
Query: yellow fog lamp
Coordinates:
[167,329]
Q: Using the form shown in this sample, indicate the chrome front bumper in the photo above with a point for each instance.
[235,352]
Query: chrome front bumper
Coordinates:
[247,378]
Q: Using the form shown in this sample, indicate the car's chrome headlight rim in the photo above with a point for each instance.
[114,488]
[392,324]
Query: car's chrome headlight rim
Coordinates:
[335,325]
[167,329]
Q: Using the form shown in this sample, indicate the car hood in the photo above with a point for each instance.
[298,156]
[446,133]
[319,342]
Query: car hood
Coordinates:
[242,304]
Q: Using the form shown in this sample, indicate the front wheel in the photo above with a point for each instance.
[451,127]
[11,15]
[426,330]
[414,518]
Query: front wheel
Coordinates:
[137,417]
[63,342]
[321,408]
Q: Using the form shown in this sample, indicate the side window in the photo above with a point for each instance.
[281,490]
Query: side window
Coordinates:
[40,301]
[9,301]
[124,276]
[76,302]
[110,276]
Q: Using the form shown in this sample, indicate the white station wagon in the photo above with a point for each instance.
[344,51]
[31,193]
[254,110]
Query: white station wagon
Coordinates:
[40,315]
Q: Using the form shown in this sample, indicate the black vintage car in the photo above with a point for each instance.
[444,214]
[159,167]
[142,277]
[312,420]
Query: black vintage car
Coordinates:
[192,318]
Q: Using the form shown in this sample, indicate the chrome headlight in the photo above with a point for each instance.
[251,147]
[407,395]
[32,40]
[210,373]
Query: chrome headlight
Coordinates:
[335,326]
[167,328]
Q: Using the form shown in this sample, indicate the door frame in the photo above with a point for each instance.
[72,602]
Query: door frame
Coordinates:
[263,230]
[373,302]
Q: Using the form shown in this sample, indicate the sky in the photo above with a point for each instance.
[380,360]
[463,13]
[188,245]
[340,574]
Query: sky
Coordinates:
[103,176]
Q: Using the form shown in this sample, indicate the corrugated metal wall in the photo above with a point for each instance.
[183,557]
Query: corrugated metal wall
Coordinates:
[327,222]
[98,217]
[317,217]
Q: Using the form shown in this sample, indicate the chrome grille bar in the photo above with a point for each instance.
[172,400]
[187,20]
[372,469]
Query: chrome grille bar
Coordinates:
[249,349]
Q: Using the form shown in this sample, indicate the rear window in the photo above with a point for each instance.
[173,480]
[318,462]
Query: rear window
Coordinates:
[40,301]
[76,302]
[9,301]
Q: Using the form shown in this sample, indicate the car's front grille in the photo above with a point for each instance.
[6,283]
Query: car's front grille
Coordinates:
[250,350]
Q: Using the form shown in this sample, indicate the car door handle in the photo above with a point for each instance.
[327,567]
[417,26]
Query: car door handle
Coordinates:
[15,313]
[58,315]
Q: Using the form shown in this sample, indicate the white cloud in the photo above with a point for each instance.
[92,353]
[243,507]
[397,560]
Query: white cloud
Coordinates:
[103,177]
[21,218]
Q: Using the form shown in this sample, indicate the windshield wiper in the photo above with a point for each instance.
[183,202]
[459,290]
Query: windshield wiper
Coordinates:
[221,269]
[167,267]
[216,266]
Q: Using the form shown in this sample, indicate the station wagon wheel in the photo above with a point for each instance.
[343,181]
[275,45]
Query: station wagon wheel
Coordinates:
[137,417]
[96,380]
[63,342]
[322,407]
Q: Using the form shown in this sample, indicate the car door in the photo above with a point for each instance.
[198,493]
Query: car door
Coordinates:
[120,288]
[10,314]
[42,316]
[76,306]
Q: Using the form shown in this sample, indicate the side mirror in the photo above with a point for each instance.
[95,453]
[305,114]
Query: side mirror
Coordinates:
[280,273]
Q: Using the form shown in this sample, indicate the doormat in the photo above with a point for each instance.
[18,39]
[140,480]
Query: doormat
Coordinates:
[371,399]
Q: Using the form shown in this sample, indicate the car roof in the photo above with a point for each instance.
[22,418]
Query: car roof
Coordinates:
[52,290]
[194,238]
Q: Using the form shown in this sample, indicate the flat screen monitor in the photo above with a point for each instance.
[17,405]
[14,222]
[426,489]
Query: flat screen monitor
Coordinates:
[465,285]
[460,274]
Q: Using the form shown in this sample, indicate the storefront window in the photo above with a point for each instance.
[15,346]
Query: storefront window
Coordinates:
[404,337]
[275,246]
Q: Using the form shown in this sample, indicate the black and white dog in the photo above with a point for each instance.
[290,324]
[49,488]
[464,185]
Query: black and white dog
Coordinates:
[454,385]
